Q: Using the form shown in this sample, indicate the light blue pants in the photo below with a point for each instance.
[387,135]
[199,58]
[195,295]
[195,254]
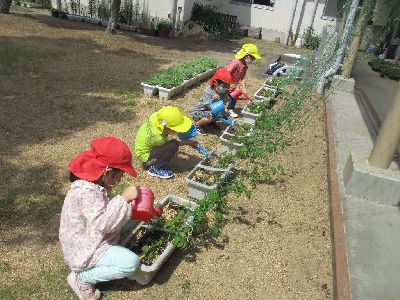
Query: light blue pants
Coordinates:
[118,262]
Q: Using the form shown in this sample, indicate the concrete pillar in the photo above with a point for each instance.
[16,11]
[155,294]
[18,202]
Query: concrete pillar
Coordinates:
[174,6]
[291,18]
[388,138]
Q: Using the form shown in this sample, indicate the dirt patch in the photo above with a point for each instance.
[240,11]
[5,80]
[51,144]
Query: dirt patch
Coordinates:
[64,83]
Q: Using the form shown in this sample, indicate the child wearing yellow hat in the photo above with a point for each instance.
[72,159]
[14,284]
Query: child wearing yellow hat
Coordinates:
[238,68]
[151,144]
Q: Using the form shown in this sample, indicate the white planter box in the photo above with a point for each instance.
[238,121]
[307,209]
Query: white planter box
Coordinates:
[205,163]
[227,144]
[206,74]
[227,136]
[149,90]
[258,97]
[250,117]
[31,5]
[199,190]
[148,272]
[74,18]
[127,27]
[166,94]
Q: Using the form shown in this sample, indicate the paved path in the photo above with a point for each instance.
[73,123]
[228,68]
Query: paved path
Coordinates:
[378,91]
[371,229]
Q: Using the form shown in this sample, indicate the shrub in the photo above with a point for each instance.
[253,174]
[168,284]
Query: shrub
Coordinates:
[212,21]
[164,25]
[311,40]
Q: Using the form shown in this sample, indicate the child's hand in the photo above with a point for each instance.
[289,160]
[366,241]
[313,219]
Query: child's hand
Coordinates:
[130,193]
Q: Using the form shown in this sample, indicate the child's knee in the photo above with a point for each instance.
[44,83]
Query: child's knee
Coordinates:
[130,265]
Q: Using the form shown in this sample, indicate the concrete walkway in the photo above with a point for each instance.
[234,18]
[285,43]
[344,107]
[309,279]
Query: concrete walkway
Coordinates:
[378,91]
[371,229]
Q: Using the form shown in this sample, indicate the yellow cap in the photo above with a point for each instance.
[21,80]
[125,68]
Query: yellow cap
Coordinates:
[248,49]
[172,118]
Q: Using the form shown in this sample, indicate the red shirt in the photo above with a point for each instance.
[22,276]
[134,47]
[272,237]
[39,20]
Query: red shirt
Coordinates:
[238,69]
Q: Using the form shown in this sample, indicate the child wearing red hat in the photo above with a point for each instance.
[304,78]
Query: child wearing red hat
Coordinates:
[91,223]
[217,90]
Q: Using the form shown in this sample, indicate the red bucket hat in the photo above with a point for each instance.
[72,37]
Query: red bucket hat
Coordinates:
[223,75]
[104,152]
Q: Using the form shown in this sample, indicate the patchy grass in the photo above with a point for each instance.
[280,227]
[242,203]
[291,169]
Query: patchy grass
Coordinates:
[46,284]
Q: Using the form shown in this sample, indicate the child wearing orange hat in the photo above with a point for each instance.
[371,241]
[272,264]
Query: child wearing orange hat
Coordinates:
[217,90]
[91,223]
[238,69]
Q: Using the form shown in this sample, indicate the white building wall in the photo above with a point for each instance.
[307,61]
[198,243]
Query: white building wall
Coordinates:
[275,21]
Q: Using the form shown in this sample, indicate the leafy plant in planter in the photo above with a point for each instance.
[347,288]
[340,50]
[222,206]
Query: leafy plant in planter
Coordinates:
[219,160]
[267,93]
[260,106]
[206,177]
[176,75]
[149,242]
[240,129]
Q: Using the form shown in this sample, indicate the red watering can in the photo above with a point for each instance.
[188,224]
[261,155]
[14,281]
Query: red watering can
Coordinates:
[236,94]
[143,206]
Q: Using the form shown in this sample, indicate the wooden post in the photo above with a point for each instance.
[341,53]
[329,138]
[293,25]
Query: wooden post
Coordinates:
[388,138]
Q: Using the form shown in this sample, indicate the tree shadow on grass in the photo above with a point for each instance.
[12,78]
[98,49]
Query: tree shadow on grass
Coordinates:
[190,44]
[53,89]
[46,19]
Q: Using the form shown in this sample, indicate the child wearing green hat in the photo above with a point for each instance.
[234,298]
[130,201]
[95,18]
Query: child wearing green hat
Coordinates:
[151,144]
[238,68]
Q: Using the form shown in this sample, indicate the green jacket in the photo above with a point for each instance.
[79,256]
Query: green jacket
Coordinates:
[149,136]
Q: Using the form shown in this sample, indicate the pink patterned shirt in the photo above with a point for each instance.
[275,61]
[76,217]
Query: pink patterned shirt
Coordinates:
[90,223]
[238,69]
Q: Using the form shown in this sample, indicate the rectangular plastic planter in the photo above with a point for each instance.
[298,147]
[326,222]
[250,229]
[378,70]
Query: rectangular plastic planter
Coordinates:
[127,27]
[258,97]
[74,18]
[148,272]
[149,90]
[199,190]
[227,145]
[249,117]
[166,94]
[214,154]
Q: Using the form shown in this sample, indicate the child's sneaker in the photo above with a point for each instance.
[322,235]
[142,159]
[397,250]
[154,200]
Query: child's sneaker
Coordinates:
[233,114]
[85,291]
[158,172]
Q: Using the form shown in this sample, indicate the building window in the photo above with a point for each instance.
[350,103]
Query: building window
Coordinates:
[269,3]
[330,9]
